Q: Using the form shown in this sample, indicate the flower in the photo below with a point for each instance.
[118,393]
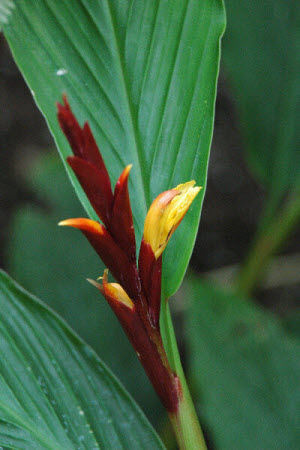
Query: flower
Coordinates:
[166,213]
[163,217]
[135,297]
[113,291]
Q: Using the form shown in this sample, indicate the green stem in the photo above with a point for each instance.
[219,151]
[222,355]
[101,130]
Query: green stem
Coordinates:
[185,422]
[269,239]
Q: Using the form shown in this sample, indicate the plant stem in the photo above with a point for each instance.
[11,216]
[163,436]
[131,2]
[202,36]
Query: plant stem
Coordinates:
[269,239]
[185,421]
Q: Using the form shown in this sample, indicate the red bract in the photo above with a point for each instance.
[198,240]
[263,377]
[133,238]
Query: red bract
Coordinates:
[136,299]
[135,302]
[92,174]
[145,340]
[150,275]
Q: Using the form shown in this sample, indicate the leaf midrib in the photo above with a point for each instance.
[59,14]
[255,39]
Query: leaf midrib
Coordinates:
[132,122]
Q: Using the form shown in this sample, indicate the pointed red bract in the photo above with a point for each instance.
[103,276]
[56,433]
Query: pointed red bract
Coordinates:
[146,261]
[114,210]
[114,258]
[96,189]
[154,294]
[88,163]
[150,275]
[135,299]
[91,152]
[148,349]
[110,253]
[71,127]
[80,139]
[121,224]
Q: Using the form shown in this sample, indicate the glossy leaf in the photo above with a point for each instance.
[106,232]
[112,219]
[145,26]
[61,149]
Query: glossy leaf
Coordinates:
[261,56]
[55,392]
[60,262]
[144,75]
[245,370]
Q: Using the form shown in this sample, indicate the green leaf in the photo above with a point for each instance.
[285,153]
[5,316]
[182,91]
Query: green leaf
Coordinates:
[291,323]
[6,7]
[261,55]
[144,75]
[245,370]
[53,263]
[55,392]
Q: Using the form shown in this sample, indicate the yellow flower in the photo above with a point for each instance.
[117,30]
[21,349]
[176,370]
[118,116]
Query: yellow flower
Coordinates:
[112,291]
[166,213]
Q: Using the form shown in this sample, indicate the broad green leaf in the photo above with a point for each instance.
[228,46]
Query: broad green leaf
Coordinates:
[53,263]
[54,391]
[144,75]
[261,56]
[245,370]
[6,7]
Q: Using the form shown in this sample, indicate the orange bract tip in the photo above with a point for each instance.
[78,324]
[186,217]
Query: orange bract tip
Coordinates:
[83,224]
[125,174]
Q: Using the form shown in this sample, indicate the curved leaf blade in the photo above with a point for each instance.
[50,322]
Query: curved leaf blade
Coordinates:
[261,59]
[245,370]
[144,75]
[55,392]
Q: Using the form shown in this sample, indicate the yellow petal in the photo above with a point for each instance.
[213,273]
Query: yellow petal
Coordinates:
[113,290]
[166,213]
[116,291]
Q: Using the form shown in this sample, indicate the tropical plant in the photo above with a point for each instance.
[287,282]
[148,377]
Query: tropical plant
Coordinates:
[128,91]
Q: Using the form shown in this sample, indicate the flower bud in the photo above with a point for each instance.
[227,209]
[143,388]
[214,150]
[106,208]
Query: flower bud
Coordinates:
[166,213]
[113,291]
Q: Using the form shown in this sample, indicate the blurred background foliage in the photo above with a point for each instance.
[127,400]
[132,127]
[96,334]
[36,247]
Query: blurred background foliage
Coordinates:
[241,354]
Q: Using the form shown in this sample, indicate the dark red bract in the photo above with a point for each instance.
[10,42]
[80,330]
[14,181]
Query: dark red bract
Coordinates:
[115,244]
